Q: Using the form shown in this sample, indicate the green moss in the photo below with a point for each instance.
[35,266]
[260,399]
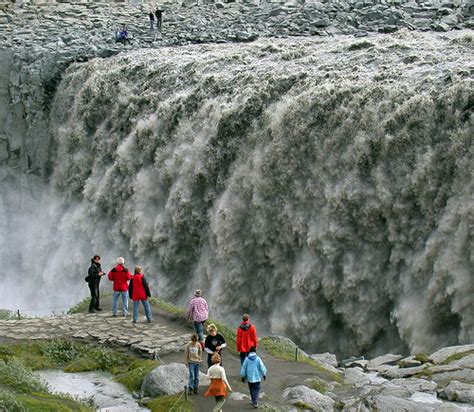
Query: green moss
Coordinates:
[44,402]
[165,403]
[9,402]
[422,357]
[319,385]
[15,375]
[132,379]
[457,356]
[302,405]
[286,352]
[80,307]
[168,307]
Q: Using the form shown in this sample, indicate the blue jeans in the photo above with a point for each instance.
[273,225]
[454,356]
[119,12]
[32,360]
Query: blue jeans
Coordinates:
[146,306]
[193,375]
[199,326]
[124,302]
[254,388]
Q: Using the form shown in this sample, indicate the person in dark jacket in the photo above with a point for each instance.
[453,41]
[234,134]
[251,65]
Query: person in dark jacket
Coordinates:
[152,19]
[159,15]
[214,343]
[120,276]
[93,279]
[139,291]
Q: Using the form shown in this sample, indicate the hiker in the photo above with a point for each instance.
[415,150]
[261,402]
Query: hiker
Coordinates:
[246,337]
[214,343]
[120,276]
[122,36]
[139,291]
[93,277]
[158,14]
[198,311]
[219,384]
[192,358]
[252,371]
[152,19]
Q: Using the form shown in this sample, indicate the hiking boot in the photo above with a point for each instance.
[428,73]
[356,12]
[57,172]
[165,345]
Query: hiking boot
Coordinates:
[92,311]
[190,391]
[99,309]
[255,405]
[114,315]
[195,391]
[149,320]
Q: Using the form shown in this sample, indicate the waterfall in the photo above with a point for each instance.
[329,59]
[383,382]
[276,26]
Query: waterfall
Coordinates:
[325,186]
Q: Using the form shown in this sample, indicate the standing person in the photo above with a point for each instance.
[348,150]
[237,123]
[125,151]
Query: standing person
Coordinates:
[159,16]
[192,358]
[152,19]
[198,311]
[219,384]
[214,343]
[246,337]
[253,370]
[120,276]
[93,279]
[139,291]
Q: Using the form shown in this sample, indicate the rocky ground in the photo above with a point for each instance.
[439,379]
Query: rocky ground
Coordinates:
[442,381]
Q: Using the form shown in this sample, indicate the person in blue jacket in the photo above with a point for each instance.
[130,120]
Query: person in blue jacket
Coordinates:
[253,370]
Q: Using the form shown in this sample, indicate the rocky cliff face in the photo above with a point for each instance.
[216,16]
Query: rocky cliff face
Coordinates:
[332,173]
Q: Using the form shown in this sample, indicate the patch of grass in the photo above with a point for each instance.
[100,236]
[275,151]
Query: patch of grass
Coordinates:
[303,405]
[286,352]
[319,385]
[15,375]
[6,314]
[9,402]
[456,357]
[165,403]
[80,307]
[422,357]
[132,379]
[45,402]
[168,307]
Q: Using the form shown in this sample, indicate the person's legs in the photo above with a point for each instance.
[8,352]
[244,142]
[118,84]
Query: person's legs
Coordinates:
[124,303]
[136,303]
[199,326]
[97,293]
[254,389]
[93,303]
[147,307]
[220,400]
[191,376]
[115,297]
[209,360]
[196,377]
[243,355]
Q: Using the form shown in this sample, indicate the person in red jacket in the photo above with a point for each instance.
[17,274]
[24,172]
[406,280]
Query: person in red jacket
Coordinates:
[120,276]
[246,338]
[139,291]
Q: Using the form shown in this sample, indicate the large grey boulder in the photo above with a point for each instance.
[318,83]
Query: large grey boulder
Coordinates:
[466,362]
[393,404]
[458,392]
[168,380]
[444,353]
[356,377]
[326,358]
[303,396]
[463,375]
[389,359]
[420,385]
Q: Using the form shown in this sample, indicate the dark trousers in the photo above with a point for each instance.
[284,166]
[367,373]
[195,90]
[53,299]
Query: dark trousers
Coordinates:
[254,388]
[94,297]
[243,355]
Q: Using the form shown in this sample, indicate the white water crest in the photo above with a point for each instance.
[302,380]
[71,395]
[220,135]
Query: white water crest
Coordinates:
[325,185]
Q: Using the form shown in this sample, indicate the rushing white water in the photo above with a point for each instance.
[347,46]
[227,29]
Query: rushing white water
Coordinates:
[323,185]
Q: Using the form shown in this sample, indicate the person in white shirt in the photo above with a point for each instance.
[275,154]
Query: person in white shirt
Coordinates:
[219,386]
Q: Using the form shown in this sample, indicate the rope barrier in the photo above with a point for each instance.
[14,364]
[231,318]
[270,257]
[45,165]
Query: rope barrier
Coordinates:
[184,392]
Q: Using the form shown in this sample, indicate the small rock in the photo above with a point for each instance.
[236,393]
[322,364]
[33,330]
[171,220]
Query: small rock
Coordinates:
[389,359]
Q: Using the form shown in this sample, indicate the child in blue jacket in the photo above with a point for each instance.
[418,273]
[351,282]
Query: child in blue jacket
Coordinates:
[252,371]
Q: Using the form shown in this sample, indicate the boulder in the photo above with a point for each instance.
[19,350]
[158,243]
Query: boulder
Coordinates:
[409,362]
[356,377]
[304,397]
[326,358]
[465,362]
[168,380]
[389,389]
[458,392]
[463,375]
[420,385]
[393,404]
[389,359]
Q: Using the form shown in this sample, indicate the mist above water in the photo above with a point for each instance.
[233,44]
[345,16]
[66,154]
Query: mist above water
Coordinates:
[323,185]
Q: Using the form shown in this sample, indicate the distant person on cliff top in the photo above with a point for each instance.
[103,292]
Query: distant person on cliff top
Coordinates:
[152,20]
[94,274]
[246,337]
[198,311]
[139,291]
[219,384]
[159,16]
[252,371]
[120,276]
[214,343]
[192,358]
[122,36]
